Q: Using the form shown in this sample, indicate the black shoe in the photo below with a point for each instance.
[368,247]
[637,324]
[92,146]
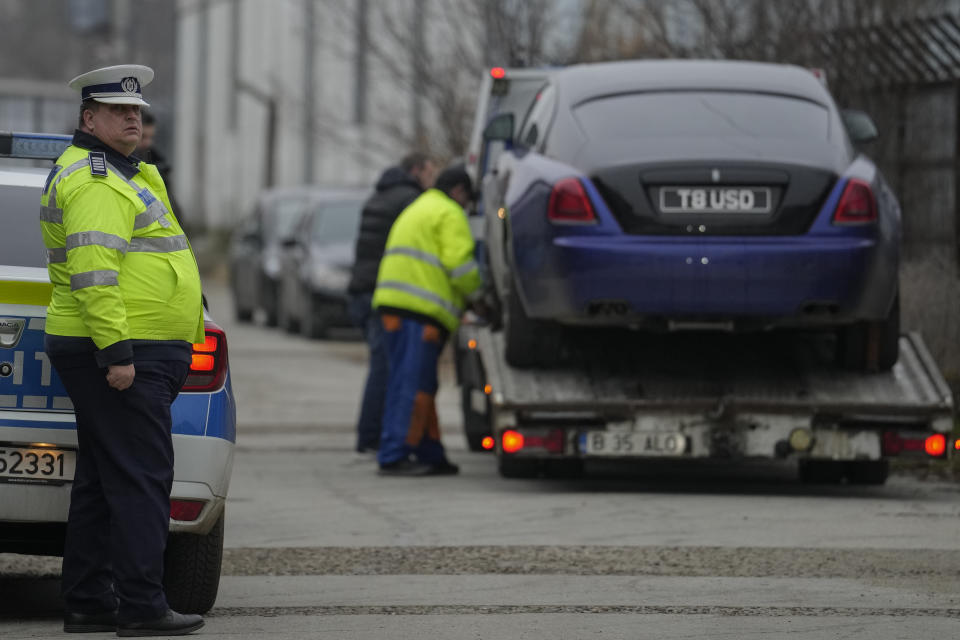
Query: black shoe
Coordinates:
[89,622]
[405,467]
[169,624]
[445,468]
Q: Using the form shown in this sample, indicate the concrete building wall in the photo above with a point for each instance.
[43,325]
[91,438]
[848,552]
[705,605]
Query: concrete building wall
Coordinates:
[227,84]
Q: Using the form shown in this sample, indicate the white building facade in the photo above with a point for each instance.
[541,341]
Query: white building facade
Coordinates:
[277,93]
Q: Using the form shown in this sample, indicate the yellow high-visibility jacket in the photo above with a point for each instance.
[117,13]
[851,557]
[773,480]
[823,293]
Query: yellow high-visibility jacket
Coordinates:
[428,265]
[120,264]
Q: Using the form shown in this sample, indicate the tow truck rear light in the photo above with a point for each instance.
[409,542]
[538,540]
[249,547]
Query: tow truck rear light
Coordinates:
[488,443]
[936,445]
[933,445]
[569,204]
[857,204]
[498,72]
[208,368]
[185,510]
[544,441]
[956,445]
[511,441]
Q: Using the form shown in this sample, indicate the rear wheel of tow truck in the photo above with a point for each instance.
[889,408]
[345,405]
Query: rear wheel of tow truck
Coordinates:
[872,346]
[514,467]
[191,569]
[476,426]
[529,343]
[868,471]
[821,471]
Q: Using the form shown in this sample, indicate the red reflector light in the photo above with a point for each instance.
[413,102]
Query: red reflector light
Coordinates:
[569,203]
[857,204]
[185,510]
[208,366]
[511,441]
[498,72]
[202,362]
[936,445]
[552,442]
[488,443]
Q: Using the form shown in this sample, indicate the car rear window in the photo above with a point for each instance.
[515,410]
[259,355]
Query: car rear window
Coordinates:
[21,243]
[701,113]
[338,222]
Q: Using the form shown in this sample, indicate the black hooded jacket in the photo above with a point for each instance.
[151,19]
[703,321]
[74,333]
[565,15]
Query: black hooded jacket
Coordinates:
[394,191]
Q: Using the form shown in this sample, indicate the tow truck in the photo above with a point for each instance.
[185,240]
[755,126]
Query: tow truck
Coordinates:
[688,396]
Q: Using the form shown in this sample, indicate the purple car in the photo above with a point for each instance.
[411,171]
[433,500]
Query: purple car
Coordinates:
[691,195]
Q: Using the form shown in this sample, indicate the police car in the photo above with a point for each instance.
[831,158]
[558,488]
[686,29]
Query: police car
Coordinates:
[38,440]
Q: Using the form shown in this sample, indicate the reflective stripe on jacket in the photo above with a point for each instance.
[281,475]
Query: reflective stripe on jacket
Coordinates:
[120,264]
[428,265]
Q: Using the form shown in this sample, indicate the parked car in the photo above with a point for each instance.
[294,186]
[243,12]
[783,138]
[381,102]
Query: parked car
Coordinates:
[38,438]
[691,195]
[254,255]
[316,262]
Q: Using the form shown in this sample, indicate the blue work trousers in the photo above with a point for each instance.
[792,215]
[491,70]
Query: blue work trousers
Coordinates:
[410,425]
[370,421]
[120,500]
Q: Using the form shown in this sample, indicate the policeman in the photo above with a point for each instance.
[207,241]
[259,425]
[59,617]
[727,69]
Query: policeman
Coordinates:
[126,306]
[426,276]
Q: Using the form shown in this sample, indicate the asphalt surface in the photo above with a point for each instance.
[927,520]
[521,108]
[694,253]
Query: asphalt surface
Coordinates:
[319,546]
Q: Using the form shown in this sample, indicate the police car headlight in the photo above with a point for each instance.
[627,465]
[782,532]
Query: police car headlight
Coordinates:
[324,276]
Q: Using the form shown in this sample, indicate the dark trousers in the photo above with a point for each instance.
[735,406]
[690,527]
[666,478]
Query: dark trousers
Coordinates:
[120,500]
[410,424]
[370,422]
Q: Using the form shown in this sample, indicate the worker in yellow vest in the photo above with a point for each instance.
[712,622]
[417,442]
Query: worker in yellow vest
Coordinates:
[125,308]
[427,277]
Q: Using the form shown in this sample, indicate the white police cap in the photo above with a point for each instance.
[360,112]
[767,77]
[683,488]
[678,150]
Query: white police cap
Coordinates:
[119,84]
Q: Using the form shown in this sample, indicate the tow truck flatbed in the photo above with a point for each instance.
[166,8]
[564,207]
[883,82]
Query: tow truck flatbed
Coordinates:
[722,396]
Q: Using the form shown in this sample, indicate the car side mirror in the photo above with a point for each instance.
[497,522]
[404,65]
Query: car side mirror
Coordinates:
[500,128]
[860,126]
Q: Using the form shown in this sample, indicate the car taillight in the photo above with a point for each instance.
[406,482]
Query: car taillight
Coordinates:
[569,203]
[208,368]
[857,204]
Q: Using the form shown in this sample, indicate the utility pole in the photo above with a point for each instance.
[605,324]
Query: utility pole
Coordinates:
[419,58]
[309,88]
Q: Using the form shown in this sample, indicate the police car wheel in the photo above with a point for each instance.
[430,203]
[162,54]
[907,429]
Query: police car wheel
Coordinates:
[191,569]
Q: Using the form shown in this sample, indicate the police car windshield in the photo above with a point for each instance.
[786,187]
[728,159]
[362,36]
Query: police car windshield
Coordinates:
[21,243]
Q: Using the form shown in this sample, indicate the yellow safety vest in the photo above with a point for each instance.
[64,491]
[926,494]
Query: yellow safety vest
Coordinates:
[120,264]
[428,265]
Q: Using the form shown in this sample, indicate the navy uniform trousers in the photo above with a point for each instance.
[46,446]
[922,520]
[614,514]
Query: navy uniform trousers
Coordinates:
[120,501]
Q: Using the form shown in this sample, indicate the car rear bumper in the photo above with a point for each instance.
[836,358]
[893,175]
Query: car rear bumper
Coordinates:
[791,280]
[202,472]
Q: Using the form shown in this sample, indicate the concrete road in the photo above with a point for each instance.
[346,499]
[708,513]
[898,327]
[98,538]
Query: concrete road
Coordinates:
[318,546]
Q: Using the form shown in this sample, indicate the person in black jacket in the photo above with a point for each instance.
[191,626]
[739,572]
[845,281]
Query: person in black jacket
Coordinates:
[397,187]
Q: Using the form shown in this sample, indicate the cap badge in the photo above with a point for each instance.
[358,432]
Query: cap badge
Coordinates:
[130,85]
